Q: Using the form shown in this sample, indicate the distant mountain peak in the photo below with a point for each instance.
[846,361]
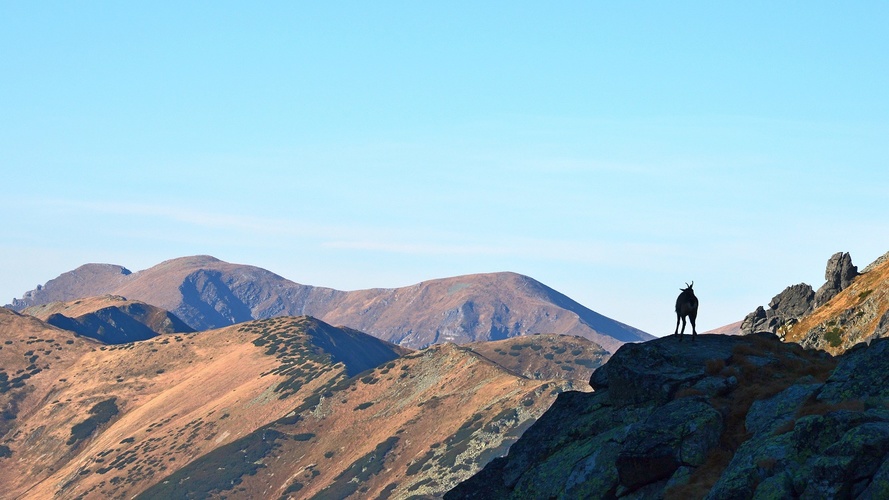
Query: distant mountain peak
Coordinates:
[191,260]
[206,292]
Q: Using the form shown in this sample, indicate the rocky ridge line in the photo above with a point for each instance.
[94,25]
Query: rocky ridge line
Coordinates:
[796,301]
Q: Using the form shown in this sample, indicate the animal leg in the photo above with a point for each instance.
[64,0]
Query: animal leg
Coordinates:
[694,332]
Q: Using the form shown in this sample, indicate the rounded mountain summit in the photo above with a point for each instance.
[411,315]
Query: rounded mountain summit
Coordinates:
[206,292]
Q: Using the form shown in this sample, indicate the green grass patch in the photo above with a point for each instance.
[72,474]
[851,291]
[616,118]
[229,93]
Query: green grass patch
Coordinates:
[834,336]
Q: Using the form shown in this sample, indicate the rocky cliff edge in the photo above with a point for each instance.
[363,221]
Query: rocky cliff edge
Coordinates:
[723,417]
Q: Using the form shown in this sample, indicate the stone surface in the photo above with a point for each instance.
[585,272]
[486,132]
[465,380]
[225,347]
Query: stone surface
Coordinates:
[839,275]
[682,434]
[861,374]
[654,371]
[785,309]
[811,426]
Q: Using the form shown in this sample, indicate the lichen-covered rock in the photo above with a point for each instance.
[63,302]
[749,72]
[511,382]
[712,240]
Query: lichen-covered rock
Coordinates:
[742,417]
[682,434]
[766,415]
[755,461]
[592,466]
[879,485]
[849,464]
[860,374]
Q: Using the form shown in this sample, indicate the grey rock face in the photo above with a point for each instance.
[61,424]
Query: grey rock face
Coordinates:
[641,374]
[786,308]
[680,435]
[839,274]
[796,301]
[860,374]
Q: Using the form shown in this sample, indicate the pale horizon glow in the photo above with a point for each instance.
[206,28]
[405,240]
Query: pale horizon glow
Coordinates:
[613,152]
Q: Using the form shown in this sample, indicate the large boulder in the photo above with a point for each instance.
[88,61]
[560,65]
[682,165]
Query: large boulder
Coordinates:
[681,434]
[654,371]
[785,309]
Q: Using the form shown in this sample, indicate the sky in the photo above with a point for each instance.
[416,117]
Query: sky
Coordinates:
[611,150]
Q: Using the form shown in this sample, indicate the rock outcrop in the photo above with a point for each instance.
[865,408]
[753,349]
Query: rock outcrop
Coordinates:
[796,301]
[725,417]
[785,309]
[839,275]
[858,313]
[207,293]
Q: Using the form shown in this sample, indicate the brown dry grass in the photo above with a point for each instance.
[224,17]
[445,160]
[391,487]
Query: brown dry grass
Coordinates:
[78,307]
[714,366]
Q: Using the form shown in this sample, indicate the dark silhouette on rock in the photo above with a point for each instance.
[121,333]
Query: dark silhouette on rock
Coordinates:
[686,306]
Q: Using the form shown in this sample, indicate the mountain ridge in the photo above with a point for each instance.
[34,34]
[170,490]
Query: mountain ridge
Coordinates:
[111,319]
[850,308]
[206,292]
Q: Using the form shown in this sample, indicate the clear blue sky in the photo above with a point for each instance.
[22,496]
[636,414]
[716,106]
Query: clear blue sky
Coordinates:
[611,150]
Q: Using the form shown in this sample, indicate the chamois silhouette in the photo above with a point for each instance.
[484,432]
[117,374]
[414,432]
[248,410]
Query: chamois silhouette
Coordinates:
[686,305]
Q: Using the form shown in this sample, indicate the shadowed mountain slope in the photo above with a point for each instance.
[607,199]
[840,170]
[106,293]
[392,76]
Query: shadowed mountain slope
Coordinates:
[111,319]
[208,293]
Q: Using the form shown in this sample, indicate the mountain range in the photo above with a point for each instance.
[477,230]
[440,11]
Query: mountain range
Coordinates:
[206,293]
[108,397]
